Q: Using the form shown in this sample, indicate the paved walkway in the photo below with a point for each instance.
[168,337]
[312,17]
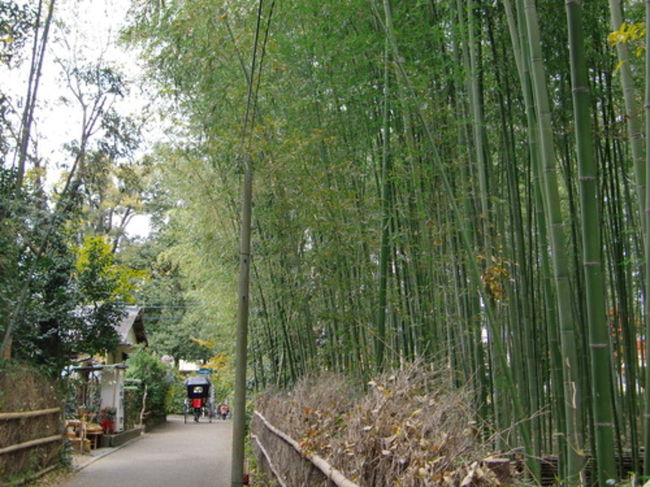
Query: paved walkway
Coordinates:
[173,454]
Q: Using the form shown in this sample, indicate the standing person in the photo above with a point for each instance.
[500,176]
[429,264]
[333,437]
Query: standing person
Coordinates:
[224,411]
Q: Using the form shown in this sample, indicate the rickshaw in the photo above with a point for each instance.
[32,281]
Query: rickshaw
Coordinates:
[198,398]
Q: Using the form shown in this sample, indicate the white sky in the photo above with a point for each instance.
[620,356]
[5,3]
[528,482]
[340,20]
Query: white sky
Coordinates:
[90,28]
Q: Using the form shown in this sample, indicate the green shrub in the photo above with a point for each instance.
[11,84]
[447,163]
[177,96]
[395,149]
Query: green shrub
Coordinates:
[176,396]
[156,379]
[132,403]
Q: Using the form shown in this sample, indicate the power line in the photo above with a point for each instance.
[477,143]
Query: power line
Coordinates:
[168,306]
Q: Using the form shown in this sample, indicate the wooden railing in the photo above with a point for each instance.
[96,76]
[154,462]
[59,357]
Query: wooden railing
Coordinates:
[501,467]
[335,476]
[32,443]
[28,414]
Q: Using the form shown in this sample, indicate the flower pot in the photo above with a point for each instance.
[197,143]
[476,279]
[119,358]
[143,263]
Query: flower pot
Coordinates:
[107,426]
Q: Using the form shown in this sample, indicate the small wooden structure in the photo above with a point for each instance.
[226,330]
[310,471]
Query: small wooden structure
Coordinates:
[109,369]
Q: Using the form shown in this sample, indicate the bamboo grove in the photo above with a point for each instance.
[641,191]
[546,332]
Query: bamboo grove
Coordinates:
[459,182]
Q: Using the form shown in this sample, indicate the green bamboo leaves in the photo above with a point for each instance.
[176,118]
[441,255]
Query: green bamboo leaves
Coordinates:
[420,195]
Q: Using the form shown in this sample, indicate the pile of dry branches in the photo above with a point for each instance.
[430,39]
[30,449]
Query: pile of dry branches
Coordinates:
[412,427]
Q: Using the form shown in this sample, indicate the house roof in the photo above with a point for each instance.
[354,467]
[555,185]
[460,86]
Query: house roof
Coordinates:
[130,329]
[132,320]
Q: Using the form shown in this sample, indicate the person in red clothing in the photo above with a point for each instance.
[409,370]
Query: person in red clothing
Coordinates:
[198,389]
[197,404]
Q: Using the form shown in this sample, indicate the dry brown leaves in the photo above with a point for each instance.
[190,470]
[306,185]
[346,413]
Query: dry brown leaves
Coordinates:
[313,412]
[412,428]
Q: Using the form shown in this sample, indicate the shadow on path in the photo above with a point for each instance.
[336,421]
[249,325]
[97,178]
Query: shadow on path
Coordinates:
[173,454]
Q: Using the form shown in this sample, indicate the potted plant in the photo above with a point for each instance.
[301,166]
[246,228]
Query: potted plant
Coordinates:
[107,419]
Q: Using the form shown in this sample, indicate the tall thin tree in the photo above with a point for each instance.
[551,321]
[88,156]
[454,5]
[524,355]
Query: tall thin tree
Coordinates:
[33,84]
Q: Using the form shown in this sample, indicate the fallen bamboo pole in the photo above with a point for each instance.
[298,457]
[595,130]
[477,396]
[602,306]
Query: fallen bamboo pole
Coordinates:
[268,460]
[330,472]
[29,444]
[28,414]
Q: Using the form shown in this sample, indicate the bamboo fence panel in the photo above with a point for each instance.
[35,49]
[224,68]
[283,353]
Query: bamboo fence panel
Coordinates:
[330,472]
[273,468]
[28,414]
[29,444]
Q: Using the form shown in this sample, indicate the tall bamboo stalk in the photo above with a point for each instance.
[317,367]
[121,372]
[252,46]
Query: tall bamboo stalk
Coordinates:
[646,416]
[478,127]
[385,205]
[632,113]
[469,307]
[546,174]
[473,269]
[591,244]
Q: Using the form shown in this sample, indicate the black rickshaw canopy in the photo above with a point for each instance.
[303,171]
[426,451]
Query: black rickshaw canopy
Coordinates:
[197,386]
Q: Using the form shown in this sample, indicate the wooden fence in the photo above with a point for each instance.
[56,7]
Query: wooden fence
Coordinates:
[28,444]
[289,464]
[282,457]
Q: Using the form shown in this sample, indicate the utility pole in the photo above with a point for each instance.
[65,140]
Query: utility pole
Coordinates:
[239,413]
[239,405]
